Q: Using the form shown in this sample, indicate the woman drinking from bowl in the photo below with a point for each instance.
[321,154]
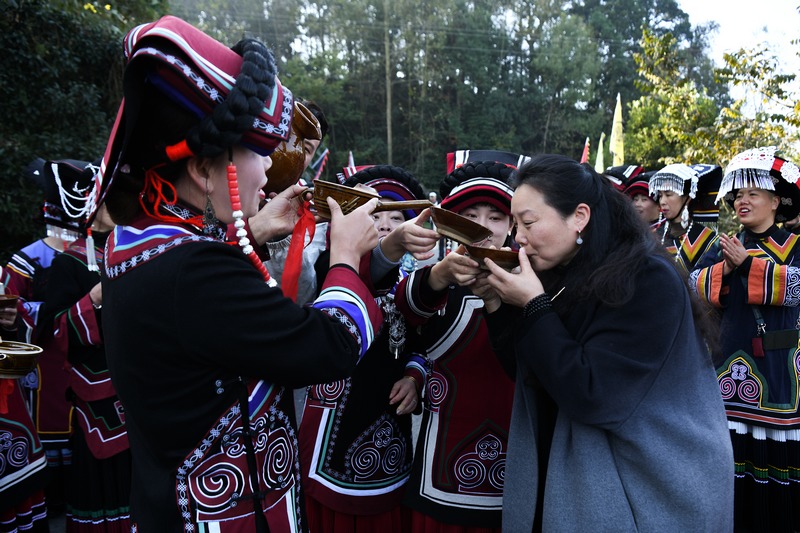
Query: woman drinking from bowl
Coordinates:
[617,422]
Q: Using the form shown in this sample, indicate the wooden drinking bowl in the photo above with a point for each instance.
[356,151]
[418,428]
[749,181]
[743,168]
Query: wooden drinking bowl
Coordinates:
[458,228]
[348,198]
[507,259]
[17,358]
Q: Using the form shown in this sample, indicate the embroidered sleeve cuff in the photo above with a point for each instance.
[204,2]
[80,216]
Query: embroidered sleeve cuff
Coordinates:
[416,370]
[83,320]
[744,268]
[344,282]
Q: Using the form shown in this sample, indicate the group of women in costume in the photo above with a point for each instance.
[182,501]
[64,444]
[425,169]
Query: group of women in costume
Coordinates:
[565,394]
[750,283]
[65,446]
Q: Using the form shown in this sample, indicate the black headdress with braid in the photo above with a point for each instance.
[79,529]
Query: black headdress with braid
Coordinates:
[394,183]
[228,122]
[192,96]
[477,182]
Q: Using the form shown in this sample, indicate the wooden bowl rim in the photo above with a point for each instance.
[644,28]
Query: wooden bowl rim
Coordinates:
[503,258]
[480,232]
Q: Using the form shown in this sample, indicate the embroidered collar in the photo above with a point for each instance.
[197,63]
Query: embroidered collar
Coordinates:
[753,236]
[146,238]
[213,228]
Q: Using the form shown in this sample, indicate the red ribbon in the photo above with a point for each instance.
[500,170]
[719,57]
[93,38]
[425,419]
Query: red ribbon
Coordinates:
[294,257]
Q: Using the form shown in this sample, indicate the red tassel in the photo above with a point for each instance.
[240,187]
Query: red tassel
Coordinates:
[294,257]
[157,192]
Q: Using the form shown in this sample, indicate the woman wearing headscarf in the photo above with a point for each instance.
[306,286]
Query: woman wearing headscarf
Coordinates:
[679,190]
[617,423]
[754,279]
[203,350]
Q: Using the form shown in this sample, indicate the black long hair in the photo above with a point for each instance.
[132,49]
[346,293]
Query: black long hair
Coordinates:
[616,242]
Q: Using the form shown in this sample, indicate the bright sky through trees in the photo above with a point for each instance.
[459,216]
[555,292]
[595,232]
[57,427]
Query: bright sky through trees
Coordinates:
[745,24]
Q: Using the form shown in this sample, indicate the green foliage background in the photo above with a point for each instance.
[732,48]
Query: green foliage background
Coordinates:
[518,75]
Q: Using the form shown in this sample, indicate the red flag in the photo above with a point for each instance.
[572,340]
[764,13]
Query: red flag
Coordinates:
[319,164]
[585,156]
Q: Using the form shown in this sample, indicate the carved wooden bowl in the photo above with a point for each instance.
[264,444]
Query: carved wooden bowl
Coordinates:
[458,228]
[507,259]
[348,198]
[17,358]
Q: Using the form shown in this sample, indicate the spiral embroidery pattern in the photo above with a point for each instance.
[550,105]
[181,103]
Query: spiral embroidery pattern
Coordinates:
[482,470]
[280,459]
[215,487]
[792,287]
[437,390]
[13,451]
[327,394]
[383,453]
[214,483]
[738,383]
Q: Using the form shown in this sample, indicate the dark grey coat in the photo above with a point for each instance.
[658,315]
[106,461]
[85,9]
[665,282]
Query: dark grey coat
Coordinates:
[637,434]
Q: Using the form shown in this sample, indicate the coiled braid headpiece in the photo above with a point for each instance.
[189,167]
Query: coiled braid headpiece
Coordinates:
[235,94]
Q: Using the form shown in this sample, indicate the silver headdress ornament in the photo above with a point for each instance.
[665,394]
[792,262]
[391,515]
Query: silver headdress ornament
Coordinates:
[78,202]
[673,178]
[91,198]
[758,168]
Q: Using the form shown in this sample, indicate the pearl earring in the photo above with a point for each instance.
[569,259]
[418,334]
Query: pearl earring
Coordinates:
[579,240]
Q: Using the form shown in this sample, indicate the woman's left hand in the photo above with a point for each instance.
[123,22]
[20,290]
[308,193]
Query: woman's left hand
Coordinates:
[278,216]
[515,288]
[411,236]
[404,392]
